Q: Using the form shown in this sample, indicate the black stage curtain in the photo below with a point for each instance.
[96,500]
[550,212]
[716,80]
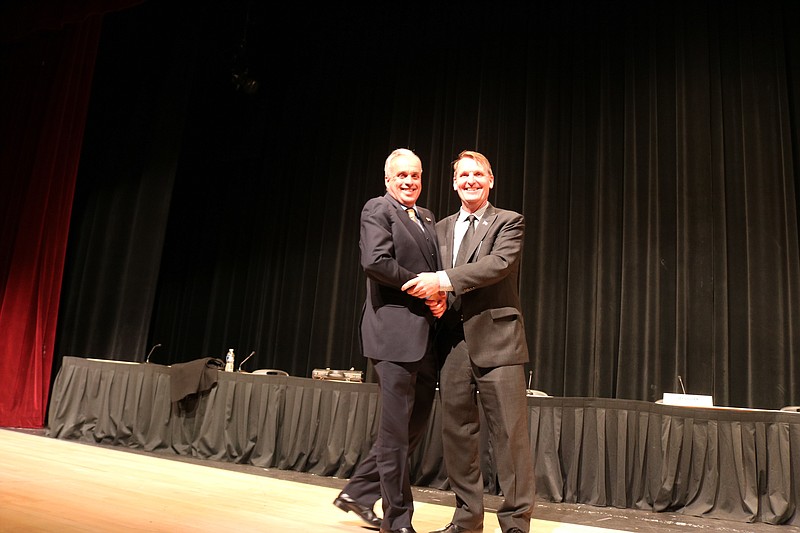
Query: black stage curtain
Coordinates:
[652,147]
[733,464]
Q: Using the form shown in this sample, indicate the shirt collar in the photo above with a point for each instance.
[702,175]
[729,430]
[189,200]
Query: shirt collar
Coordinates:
[403,206]
[462,214]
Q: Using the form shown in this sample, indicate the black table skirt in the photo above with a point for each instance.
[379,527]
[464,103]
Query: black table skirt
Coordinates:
[733,464]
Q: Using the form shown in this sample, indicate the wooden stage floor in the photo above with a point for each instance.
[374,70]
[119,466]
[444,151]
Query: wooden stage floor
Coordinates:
[51,485]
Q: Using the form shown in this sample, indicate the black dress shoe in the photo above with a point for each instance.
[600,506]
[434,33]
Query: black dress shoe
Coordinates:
[401,530]
[346,503]
[515,530]
[452,528]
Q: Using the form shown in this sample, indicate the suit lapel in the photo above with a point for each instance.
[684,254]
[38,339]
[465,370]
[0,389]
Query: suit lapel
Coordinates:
[416,232]
[427,221]
[409,224]
[430,239]
[446,241]
[489,216]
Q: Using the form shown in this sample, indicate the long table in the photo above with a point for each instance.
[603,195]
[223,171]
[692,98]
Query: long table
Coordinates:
[733,464]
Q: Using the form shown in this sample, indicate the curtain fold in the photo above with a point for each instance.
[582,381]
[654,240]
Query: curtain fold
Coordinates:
[651,147]
[48,52]
[47,106]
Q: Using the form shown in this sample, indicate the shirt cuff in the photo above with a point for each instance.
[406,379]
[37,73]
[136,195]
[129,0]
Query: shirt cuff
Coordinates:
[444,281]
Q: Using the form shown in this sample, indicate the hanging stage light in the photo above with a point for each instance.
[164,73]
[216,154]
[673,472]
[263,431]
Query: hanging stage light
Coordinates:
[243,82]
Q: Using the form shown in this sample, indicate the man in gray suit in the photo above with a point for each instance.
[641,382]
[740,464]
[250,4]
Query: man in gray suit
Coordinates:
[397,240]
[483,340]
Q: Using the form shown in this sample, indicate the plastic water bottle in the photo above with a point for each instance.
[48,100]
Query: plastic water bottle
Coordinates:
[229,360]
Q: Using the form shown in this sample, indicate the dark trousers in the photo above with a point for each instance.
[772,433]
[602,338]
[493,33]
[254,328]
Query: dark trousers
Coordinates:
[501,392]
[406,395]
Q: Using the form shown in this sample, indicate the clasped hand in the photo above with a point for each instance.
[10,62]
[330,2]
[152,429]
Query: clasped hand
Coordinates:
[437,304]
[426,285]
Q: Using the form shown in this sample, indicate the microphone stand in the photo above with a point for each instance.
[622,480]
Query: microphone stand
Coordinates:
[245,359]
[153,349]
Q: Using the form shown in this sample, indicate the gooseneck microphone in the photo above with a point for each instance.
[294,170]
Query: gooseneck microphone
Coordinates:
[245,359]
[681,382]
[153,349]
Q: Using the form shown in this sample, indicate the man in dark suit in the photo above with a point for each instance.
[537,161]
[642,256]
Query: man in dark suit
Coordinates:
[398,239]
[485,349]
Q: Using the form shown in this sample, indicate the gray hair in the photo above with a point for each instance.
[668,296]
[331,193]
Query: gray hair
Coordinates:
[399,152]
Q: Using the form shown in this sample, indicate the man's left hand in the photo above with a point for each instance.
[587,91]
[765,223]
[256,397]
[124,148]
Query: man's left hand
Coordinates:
[437,304]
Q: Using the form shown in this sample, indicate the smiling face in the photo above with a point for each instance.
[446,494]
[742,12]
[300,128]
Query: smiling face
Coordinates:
[404,179]
[473,181]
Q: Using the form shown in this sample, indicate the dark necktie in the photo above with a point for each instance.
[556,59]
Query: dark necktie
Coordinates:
[461,258]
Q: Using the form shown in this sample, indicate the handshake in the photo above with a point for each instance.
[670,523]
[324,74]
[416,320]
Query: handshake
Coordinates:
[426,285]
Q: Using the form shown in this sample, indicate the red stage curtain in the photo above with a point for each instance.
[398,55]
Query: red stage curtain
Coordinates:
[48,52]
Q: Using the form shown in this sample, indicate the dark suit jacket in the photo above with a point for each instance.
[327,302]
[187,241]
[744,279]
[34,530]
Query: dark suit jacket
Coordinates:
[488,287]
[394,325]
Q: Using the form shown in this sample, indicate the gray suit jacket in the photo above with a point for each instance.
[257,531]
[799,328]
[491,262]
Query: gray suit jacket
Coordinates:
[488,288]
[394,325]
